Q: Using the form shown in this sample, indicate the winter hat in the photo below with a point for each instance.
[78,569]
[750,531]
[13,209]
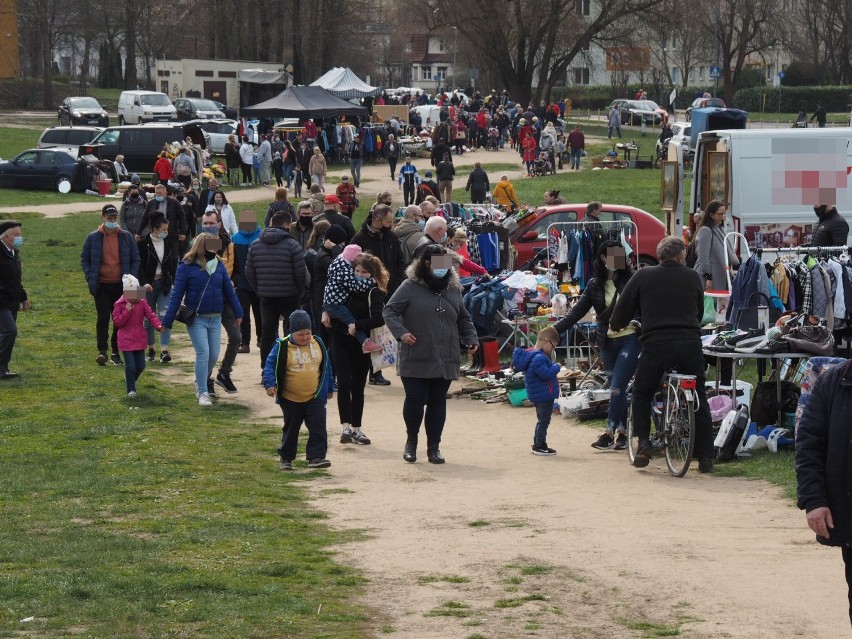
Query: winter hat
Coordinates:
[299,321]
[135,179]
[335,234]
[351,251]
[7,225]
[428,174]
[128,281]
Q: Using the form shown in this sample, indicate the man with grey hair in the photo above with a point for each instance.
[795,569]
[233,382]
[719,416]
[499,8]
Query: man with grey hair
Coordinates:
[669,299]
[434,232]
[409,231]
[428,208]
[13,297]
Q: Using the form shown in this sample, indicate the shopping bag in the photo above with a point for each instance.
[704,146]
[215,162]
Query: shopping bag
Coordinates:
[386,357]
[709,311]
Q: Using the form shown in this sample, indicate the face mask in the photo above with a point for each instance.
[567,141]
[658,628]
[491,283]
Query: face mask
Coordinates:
[210,255]
[17,241]
[160,198]
[421,224]
[213,230]
[134,195]
[163,236]
[111,225]
[196,187]
[360,278]
[442,239]
[306,220]
[440,272]
[211,265]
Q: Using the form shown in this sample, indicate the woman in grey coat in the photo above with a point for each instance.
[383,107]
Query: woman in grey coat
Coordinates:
[713,254]
[427,316]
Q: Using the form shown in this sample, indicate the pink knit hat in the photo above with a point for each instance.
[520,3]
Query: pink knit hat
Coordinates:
[351,252]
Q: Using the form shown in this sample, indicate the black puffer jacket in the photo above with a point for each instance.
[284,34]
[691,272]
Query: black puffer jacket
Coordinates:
[385,246]
[823,450]
[12,293]
[832,229]
[276,265]
[594,297]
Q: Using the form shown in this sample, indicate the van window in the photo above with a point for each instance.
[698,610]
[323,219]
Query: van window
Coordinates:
[136,137]
[155,99]
[55,136]
[611,216]
[110,136]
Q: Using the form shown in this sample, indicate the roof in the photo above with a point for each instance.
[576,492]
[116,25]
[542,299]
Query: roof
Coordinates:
[343,83]
[304,102]
[263,76]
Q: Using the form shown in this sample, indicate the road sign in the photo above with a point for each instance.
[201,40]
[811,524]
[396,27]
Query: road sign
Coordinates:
[781,74]
[715,72]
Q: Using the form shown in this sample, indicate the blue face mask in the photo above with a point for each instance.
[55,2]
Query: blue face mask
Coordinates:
[160,198]
[213,230]
[421,224]
[163,236]
[17,241]
[111,225]
[440,272]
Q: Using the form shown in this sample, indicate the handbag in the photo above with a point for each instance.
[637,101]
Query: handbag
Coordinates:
[747,317]
[186,315]
[382,336]
[811,335]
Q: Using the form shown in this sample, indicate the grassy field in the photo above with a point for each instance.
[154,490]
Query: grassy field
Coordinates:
[149,518]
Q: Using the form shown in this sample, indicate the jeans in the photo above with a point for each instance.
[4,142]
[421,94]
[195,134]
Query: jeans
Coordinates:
[288,173]
[351,367]
[246,169]
[251,304]
[576,154]
[205,334]
[445,188]
[543,413]
[657,357]
[312,413]
[611,129]
[105,299]
[427,395]
[264,172]
[272,309]
[159,303]
[134,364]
[319,179]
[619,356]
[235,336]
[355,170]
[8,335]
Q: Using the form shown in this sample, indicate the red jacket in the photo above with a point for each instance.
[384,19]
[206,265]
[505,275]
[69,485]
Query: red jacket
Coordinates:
[576,140]
[131,331]
[346,194]
[163,169]
[529,148]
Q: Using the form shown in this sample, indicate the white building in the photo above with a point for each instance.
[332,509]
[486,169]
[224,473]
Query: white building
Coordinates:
[219,79]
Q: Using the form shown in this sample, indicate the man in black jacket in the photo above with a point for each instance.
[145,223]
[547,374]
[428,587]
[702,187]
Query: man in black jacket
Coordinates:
[275,268]
[13,297]
[669,300]
[334,216]
[822,462]
[173,211]
[832,229]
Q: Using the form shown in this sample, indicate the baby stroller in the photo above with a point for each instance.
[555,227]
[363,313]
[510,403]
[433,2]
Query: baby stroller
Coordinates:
[544,164]
[493,141]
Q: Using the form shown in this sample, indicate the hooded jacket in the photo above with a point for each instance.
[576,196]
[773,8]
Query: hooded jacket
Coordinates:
[539,374]
[275,370]
[275,266]
[437,319]
[408,233]
[385,246]
[505,194]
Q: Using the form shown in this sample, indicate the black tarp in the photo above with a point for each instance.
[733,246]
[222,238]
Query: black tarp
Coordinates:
[305,103]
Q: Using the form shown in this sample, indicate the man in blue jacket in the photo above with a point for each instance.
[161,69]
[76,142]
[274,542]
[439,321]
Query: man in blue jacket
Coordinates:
[108,253]
[409,180]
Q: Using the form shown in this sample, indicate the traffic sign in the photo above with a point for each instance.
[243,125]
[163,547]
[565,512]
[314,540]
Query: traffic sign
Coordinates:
[715,72]
[781,74]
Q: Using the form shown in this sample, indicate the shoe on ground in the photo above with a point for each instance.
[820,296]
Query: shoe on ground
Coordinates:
[165,358]
[620,442]
[150,354]
[410,454]
[705,465]
[369,346]
[542,450]
[131,394]
[8,375]
[360,438]
[224,380]
[604,442]
[101,359]
[286,464]
[116,359]
[434,456]
[211,388]
[319,462]
[379,380]
[644,453]
[204,399]
[244,348]
[346,436]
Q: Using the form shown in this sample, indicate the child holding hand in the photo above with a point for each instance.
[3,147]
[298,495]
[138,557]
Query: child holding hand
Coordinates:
[128,315]
[541,383]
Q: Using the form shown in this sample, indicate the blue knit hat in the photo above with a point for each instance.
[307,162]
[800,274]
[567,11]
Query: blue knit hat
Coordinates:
[299,321]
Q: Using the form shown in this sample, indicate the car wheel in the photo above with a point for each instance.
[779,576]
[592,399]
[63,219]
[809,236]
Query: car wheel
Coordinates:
[59,180]
[645,260]
[140,119]
[121,120]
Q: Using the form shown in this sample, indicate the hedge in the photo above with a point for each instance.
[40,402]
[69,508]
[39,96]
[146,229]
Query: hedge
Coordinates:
[835,99]
[28,93]
[596,97]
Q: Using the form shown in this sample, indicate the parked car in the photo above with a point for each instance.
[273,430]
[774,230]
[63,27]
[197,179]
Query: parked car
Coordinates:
[82,110]
[682,132]
[656,108]
[231,113]
[637,111]
[704,103]
[140,144]
[136,107]
[196,109]
[532,234]
[216,133]
[67,136]
[38,169]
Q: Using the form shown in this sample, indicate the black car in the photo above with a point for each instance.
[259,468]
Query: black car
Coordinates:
[38,169]
[196,109]
[230,112]
[82,110]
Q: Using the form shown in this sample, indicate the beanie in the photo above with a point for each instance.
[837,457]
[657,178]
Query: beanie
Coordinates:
[335,234]
[351,252]
[299,321]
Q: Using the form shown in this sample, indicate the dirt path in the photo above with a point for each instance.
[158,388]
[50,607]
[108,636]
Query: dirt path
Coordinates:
[499,543]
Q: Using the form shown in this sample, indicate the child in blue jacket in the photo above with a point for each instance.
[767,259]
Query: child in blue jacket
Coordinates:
[298,375]
[541,383]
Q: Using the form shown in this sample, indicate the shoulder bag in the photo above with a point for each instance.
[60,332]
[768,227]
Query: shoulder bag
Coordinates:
[186,315]
[382,336]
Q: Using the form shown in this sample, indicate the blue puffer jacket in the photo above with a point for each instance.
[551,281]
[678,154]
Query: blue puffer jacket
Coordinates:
[189,285]
[93,250]
[539,374]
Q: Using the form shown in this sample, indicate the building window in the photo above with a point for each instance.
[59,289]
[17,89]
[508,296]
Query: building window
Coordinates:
[675,75]
[581,75]
[426,73]
[442,73]
[584,7]
[700,73]
[442,46]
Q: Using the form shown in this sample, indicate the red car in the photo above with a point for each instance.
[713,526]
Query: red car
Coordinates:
[532,233]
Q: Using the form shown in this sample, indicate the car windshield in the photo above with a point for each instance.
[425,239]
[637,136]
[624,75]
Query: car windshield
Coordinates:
[205,105]
[84,103]
[636,104]
[154,99]
[650,104]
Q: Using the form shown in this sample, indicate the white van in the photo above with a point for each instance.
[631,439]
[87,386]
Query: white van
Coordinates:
[772,179]
[136,107]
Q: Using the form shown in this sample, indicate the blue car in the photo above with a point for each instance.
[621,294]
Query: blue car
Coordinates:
[38,169]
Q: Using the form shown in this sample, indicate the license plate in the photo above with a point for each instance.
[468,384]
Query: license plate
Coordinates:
[93,121]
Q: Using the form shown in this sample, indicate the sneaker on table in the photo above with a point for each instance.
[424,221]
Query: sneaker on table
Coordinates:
[542,449]
[318,463]
[604,442]
[204,399]
[224,380]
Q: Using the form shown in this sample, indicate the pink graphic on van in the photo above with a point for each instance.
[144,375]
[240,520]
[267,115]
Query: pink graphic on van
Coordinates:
[809,171]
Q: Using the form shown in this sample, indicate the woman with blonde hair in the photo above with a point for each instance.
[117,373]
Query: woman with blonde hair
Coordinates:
[351,364]
[318,168]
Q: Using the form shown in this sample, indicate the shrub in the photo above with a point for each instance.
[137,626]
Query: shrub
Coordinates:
[833,98]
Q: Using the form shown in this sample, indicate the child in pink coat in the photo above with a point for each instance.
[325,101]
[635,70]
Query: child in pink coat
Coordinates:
[128,314]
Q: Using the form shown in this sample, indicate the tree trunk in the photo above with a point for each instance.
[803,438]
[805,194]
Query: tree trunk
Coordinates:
[47,65]
[130,78]
[298,56]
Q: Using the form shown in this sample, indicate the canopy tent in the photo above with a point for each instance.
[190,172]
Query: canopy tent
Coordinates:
[304,102]
[342,82]
[257,85]
[716,119]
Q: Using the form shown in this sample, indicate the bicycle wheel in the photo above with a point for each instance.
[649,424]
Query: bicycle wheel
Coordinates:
[680,431]
[632,440]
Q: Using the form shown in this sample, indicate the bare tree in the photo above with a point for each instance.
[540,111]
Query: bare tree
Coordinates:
[824,40]
[676,39]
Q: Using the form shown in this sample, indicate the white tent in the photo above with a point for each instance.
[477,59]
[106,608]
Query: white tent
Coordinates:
[343,83]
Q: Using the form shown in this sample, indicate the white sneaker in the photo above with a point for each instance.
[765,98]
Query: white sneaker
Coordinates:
[131,394]
[204,399]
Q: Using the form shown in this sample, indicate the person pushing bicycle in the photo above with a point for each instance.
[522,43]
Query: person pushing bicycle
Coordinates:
[669,300]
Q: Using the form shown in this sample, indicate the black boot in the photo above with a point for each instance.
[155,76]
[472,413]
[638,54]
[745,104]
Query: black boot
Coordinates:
[410,454]
[434,455]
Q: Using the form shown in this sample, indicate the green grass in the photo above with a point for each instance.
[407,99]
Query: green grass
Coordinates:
[652,629]
[517,602]
[450,609]
[776,468]
[452,579]
[162,520]
[13,140]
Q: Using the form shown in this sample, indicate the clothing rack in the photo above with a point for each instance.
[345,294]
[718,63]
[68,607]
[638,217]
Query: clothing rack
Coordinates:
[805,250]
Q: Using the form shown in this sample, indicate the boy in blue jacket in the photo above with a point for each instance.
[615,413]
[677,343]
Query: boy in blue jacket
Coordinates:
[298,375]
[541,383]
